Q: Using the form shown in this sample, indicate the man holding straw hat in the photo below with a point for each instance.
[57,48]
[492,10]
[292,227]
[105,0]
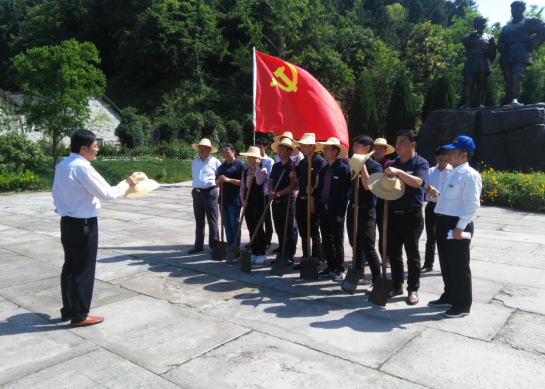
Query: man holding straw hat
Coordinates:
[333,184]
[285,149]
[205,196]
[308,149]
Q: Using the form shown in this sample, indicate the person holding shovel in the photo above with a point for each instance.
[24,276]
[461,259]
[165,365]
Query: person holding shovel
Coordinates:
[309,149]
[285,149]
[366,224]
[405,219]
[457,205]
[256,201]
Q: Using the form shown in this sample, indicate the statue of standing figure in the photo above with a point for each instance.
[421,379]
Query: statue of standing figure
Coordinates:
[516,45]
[480,54]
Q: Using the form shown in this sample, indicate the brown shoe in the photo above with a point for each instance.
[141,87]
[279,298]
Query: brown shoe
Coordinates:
[413,298]
[396,292]
[88,322]
[194,250]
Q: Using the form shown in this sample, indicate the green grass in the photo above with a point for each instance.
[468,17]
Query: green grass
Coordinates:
[166,171]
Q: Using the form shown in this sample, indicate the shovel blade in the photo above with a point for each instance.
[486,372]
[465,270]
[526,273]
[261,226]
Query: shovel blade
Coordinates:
[309,268]
[381,292]
[231,253]
[351,281]
[246,262]
[279,266]
[219,250]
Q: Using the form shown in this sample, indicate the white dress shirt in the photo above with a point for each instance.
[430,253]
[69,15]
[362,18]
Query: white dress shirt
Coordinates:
[77,188]
[204,173]
[267,163]
[461,195]
[437,179]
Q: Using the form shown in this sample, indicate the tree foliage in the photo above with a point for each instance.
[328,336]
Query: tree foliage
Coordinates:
[363,117]
[401,113]
[440,95]
[134,129]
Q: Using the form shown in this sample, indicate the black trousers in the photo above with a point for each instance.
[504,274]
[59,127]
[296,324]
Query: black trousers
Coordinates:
[279,210]
[301,216]
[379,209]
[205,203]
[405,230]
[254,211]
[430,219]
[454,259]
[78,271]
[332,238]
[268,226]
[365,247]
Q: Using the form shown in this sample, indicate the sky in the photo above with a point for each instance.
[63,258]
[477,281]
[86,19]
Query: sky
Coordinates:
[500,10]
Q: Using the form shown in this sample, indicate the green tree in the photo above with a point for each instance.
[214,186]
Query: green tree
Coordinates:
[8,119]
[134,130]
[401,114]
[440,95]
[363,118]
[18,154]
[213,128]
[532,86]
[57,82]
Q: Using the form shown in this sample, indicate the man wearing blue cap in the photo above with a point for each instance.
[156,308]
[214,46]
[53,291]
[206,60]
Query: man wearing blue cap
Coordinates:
[456,207]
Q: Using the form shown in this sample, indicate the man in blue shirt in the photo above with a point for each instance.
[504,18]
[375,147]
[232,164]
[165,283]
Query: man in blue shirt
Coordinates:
[367,220]
[230,173]
[405,219]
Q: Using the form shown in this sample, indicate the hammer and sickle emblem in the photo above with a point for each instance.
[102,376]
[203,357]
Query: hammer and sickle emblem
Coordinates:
[290,85]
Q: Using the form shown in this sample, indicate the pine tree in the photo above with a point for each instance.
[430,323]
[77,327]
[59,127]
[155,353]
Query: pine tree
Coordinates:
[401,114]
[440,95]
[532,86]
[363,117]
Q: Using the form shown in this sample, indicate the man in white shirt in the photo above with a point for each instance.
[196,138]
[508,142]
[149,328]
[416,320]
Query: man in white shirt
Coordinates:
[457,205]
[434,184]
[77,191]
[205,194]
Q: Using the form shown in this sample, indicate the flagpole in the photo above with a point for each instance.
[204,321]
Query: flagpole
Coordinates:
[254,91]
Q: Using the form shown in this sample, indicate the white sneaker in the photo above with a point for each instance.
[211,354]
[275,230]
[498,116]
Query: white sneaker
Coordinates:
[253,259]
[261,259]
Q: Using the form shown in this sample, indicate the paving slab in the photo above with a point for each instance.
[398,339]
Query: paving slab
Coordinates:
[442,360]
[508,274]
[43,297]
[165,222]
[10,235]
[524,331]
[509,257]
[111,265]
[503,245]
[523,298]
[529,224]
[139,247]
[45,249]
[182,286]
[121,215]
[155,334]
[30,343]
[96,369]
[15,270]
[524,230]
[311,323]
[258,360]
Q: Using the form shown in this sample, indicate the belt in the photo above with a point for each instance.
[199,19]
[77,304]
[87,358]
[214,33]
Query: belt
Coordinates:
[442,215]
[278,201]
[205,189]
[361,206]
[405,212]
[302,198]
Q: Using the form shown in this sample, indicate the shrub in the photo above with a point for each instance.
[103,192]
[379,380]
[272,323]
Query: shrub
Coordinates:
[17,182]
[107,150]
[213,128]
[177,150]
[46,145]
[18,154]
[191,131]
[134,130]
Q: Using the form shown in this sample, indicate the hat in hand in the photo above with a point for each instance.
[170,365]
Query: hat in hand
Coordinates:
[204,142]
[144,186]
[252,152]
[357,161]
[386,187]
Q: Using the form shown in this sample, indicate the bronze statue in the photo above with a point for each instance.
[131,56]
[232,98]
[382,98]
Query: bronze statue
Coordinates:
[516,45]
[480,53]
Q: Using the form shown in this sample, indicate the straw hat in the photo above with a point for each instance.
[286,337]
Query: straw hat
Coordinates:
[386,187]
[288,143]
[357,161]
[286,134]
[143,187]
[383,142]
[252,152]
[335,142]
[204,142]
[310,139]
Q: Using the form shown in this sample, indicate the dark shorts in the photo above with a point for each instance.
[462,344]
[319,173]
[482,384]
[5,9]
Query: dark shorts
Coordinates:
[471,78]
[516,70]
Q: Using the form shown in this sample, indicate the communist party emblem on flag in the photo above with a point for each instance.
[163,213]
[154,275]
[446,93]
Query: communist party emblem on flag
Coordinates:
[288,98]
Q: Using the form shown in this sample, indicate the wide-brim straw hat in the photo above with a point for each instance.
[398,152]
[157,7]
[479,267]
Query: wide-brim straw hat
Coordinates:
[357,161]
[288,143]
[252,152]
[144,186]
[335,142]
[386,187]
[383,142]
[204,142]
[310,139]
[286,134]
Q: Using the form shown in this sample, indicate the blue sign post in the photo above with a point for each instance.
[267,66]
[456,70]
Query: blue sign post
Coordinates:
[156,136]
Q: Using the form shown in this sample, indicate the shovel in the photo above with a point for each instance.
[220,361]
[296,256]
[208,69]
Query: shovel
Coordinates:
[221,246]
[353,275]
[234,249]
[282,259]
[383,286]
[310,264]
[246,256]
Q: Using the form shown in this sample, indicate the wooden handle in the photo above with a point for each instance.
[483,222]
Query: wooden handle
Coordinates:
[384,238]
[244,208]
[309,182]
[222,227]
[288,209]
[356,203]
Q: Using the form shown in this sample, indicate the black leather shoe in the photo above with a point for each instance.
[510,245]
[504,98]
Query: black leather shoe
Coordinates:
[290,263]
[396,292]
[412,299]
[194,250]
[426,269]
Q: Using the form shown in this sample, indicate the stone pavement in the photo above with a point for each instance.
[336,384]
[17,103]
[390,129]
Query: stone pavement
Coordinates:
[176,320]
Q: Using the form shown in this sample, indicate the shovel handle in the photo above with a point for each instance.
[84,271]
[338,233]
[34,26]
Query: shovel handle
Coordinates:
[288,208]
[222,226]
[356,204]
[244,208]
[309,181]
[384,238]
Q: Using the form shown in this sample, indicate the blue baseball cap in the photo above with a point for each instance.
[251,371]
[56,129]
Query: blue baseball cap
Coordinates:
[462,142]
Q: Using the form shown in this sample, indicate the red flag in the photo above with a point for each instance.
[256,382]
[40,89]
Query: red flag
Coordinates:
[288,98]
